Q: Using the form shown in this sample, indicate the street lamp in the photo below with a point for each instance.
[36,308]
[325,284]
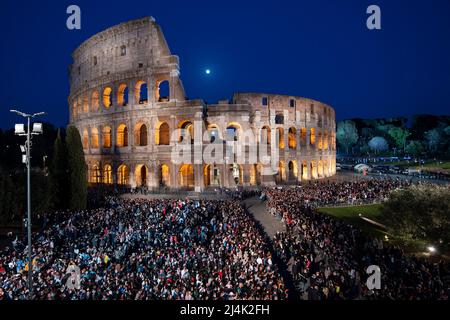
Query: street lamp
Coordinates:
[19,129]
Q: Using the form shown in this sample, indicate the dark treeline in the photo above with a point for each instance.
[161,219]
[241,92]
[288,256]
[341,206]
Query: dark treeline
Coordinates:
[421,136]
[58,176]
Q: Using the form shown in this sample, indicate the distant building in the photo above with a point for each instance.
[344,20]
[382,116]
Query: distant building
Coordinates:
[129,105]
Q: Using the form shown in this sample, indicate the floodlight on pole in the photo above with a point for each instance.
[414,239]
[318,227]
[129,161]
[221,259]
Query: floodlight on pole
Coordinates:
[26,149]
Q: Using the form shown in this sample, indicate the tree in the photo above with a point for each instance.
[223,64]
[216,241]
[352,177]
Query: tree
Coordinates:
[414,148]
[419,212]
[433,138]
[346,134]
[399,135]
[378,144]
[59,187]
[77,172]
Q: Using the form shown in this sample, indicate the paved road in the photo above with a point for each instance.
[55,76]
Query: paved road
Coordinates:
[270,223]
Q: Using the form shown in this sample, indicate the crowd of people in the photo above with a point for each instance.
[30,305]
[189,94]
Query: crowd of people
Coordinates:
[147,249]
[329,258]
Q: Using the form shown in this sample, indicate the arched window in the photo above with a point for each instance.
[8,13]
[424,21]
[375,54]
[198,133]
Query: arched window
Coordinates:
[187,132]
[141,174]
[95,176]
[163,91]
[186,176]
[95,100]
[85,139]
[122,136]
[303,136]
[266,135]
[325,140]
[140,134]
[122,175]
[107,174]
[162,135]
[232,132]
[312,136]
[293,171]
[94,138]
[141,92]
[292,138]
[85,104]
[122,95]
[106,137]
[107,97]
[320,141]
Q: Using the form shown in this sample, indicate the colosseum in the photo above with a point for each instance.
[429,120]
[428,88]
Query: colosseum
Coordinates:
[128,102]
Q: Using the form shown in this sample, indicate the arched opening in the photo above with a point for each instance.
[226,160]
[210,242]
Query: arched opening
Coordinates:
[107,174]
[163,91]
[303,136]
[232,131]
[187,132]
[293,170]
[280,132]
[122,95]
[95,100]
[265,135]
[85,103]
[292,138]
[122,136]
[313,169]
[122,175]
[106,137]
[319,140]
[162,134]
[214,133]
[140,134]
[186,176]
[141,92]
[107,97]
[95,175]
[164,175]
[320,169]
[304,170]
[207,175]
[253,175]
[325,140]
[85,139]
[94,138]
[141,174]
[312,136]
[237,173]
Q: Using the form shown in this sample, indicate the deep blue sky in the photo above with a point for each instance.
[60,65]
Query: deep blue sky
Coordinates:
[319,49]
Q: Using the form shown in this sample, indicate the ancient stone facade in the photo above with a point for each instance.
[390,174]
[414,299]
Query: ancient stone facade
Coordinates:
[129,105]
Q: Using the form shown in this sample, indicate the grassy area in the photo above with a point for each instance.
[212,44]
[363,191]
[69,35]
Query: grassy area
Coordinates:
[351,216]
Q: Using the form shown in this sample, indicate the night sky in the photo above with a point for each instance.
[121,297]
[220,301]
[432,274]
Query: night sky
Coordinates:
[318,49]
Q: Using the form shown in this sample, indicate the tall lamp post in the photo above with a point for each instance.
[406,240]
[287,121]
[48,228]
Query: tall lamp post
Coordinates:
[20,130]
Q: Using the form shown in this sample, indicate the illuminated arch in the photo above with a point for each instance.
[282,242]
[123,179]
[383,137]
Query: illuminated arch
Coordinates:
[320,169]
[187,131]
[122,95]
[122,175]
[106,137]
[107,174]
[293,170]
[141,175]
[107,97]
[95,100]
[280,132]
[207,175]
[85,104]
[292,138]
[312,136]
[95,174]
[94,138]
[140,134]
[304,170]
[281,171]
[319,140]
[266,135]
[186,176]
[162,134]
[303,136]
[141,92]
[162,92]
[313,169]
[214,133]
[122,136]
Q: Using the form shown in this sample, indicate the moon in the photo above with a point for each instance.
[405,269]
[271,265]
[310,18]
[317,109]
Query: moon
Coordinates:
[207,71]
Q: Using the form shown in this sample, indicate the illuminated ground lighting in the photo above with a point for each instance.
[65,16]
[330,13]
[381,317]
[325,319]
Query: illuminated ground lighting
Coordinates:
[431,249]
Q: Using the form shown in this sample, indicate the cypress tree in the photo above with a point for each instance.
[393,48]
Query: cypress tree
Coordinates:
[77,171]
[59,191]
